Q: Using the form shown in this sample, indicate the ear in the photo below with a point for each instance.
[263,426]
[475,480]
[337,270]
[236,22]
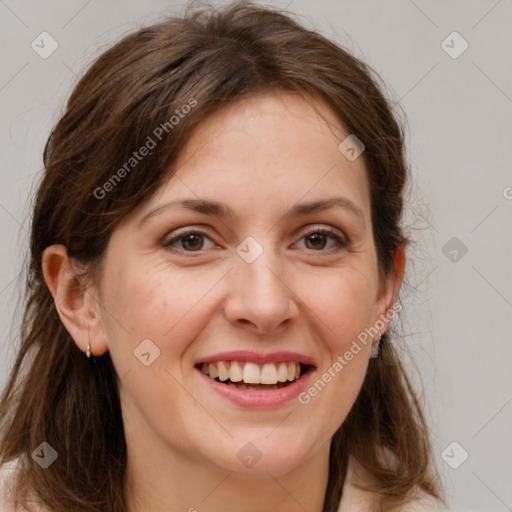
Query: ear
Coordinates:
[388,292]
[75,301]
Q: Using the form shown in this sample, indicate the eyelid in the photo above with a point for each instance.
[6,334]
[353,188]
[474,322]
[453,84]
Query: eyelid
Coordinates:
[320,228]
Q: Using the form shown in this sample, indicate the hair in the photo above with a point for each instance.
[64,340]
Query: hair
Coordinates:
[205,59]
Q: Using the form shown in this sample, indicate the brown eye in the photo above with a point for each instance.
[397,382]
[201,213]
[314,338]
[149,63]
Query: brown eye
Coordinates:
[318,240]
[192,241]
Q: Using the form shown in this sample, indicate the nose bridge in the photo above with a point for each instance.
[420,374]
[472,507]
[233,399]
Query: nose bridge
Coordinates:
[259,293]
[263,279]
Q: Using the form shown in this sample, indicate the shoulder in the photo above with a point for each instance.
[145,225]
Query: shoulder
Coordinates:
[355,499]
[424,504]
[8,473]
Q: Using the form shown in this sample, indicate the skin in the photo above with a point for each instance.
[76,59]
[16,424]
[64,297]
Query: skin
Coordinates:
[260,156]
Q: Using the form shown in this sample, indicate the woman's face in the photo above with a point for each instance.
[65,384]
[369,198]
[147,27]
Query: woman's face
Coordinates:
[244,271]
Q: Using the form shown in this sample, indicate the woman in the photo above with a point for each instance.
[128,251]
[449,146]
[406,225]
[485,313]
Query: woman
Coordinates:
[215,260]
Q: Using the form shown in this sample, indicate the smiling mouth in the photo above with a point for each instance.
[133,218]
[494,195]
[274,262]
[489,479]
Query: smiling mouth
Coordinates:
[254,376]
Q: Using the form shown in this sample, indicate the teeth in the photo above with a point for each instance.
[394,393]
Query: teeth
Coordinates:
[252,373]
[213,371]
[254,387]
[223,371]
[282,373]
[268,374]
[291,371]
[235,372]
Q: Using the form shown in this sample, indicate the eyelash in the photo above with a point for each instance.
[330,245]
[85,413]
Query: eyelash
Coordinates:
[323,231]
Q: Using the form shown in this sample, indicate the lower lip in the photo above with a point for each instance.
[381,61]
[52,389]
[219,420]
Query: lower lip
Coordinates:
[258,399]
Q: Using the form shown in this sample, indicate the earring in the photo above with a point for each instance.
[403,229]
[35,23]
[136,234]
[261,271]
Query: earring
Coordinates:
[88,351]
[375,349]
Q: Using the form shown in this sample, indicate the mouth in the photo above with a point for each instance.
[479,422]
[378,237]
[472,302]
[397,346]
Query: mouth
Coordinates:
[254,376]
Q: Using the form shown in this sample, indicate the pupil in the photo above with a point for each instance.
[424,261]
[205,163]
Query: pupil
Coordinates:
[191,240]
[316,237]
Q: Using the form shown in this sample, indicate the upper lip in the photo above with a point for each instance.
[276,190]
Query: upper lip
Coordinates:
[258,357]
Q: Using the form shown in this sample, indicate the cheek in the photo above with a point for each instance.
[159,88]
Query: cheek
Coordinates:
[343,304]
[167,306]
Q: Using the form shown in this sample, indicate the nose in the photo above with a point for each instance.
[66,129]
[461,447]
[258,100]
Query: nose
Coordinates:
[260,299]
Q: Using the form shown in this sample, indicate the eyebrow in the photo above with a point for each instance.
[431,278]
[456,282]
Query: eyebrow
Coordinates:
[223,211]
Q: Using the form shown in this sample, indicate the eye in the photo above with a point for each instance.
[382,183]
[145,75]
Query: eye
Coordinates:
[194,241]
[317,239]
[189,241]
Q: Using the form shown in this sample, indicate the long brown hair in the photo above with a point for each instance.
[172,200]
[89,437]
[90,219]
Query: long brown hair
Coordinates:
[205,59]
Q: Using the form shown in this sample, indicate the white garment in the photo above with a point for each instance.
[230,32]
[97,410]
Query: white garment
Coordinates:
[353,499]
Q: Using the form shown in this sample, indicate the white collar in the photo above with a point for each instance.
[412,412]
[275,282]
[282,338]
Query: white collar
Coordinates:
[354,499]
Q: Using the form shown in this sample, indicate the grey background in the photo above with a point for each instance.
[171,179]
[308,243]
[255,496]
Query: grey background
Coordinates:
[457,324]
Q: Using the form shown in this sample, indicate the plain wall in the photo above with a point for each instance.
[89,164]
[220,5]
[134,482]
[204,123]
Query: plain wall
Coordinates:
[459,111]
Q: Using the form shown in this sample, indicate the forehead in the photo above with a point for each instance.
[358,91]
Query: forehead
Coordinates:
[263,154]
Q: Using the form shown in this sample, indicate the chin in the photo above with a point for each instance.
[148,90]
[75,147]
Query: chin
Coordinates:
[255,460]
